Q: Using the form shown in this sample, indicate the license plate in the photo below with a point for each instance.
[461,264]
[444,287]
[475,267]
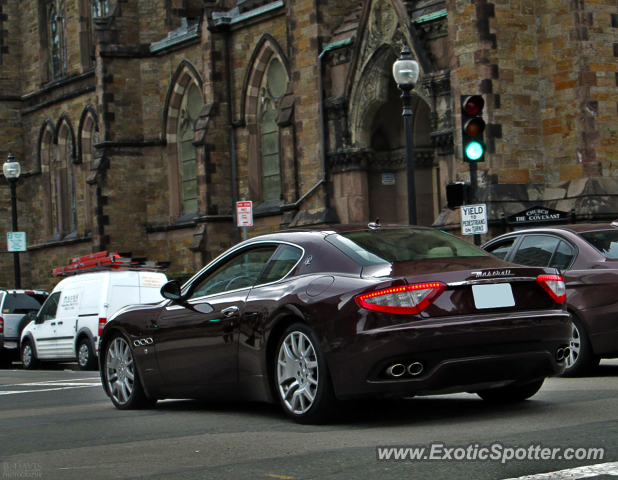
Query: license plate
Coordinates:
[498,295]
[10,344]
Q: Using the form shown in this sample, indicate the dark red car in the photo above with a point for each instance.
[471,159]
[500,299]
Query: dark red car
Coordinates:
[587,256]
[309,318]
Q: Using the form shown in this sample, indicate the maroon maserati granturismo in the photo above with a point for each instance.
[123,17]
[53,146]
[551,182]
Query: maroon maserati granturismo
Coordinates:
[311,318]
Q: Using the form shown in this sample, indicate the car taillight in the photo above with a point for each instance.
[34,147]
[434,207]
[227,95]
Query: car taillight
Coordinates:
[102,322]
[554,285]
[404,300]
[1,325]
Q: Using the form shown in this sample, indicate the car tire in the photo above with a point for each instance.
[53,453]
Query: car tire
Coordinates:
[29,359]
[508,394]
[122,380]
[302,379]
[86,359]
[582,361]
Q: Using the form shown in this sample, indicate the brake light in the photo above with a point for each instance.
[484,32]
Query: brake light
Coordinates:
[404,300]
[1,325]
[102,322]
[554,285]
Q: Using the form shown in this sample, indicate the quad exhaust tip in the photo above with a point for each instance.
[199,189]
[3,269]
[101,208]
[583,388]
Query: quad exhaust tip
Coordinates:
[415,368]
[397,370]
[563,353]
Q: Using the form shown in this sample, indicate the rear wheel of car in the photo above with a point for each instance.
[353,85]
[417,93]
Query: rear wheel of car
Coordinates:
[302,377]
[582,360]
[86,358]
[510,393]
[28,356]
[122,378]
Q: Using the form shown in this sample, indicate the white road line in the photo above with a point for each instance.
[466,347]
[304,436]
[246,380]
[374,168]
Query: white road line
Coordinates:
[14,392]
[589,471]
[59,384]
[51,382]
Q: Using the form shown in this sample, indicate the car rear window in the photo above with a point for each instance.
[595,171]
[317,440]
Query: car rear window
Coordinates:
[605,241]
[23,303]
[375,247]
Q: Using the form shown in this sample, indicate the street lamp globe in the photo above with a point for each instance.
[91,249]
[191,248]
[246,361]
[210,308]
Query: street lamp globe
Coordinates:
[406,70]
[11,168]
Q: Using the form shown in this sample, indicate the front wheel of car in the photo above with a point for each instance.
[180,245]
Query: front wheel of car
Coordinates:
[581,361]
[302,377]
[511,393]
[29,359]
[122,378]
[86,358]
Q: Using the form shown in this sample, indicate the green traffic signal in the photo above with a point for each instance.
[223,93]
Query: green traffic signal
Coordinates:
[475,150]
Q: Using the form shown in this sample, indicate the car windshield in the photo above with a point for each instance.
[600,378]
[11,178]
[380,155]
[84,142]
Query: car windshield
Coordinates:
[605,241]
[375,247]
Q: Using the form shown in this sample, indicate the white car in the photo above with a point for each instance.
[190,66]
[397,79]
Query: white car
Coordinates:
[69,323]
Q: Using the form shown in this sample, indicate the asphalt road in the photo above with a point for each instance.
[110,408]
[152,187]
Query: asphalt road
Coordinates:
[58,424]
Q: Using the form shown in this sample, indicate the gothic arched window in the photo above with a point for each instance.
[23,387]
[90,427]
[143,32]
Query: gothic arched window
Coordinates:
[274,86]
[192,103]
[56,34]
[63,189]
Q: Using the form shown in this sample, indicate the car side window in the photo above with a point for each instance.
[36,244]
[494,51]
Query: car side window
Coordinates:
[536,250]
[48,312]
[240,271]
[563,256]
[501,249]
[284,260]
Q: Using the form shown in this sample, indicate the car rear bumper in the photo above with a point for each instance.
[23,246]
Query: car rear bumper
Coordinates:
[458,354]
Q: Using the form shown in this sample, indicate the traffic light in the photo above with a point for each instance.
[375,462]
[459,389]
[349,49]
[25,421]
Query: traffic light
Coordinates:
[472,128]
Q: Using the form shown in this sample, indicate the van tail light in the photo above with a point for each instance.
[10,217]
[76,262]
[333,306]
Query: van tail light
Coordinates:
[102,322]
[404,300]
[1,325]
[554,285]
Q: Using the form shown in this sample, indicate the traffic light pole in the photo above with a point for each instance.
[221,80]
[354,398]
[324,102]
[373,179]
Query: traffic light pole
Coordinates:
[472,199]
[406,96]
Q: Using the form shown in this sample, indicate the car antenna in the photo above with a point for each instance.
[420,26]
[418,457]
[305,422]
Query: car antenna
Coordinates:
[375,225]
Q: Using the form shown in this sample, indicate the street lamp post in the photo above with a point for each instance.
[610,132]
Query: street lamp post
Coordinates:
[11,170]
[406,72]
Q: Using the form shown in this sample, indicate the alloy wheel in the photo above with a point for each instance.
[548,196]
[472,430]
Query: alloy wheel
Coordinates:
[120,370]
[297,372]
[84,354]
[26,356]
[575,346]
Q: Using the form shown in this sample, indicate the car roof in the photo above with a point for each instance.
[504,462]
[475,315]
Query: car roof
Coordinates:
[327,229]
[587,227]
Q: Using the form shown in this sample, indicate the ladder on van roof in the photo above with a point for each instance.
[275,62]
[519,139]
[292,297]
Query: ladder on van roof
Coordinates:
[105,262]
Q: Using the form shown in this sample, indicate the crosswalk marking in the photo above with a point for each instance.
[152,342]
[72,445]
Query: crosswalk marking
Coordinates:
[589,471]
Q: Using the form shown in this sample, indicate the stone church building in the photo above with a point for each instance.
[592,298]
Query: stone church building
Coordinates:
[139,123]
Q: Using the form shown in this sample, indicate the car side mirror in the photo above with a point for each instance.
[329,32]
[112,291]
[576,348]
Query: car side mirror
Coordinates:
[171,291]
[33,317]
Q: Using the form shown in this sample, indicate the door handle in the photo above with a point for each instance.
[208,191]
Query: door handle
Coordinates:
[59,323]
[53,324]
[230,311]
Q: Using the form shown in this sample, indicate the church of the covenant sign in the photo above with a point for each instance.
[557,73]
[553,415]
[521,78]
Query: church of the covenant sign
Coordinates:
[538,215]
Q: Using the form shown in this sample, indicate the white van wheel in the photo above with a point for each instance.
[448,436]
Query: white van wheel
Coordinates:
[28,356]
[85,356]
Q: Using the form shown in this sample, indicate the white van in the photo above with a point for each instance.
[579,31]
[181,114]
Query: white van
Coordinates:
[69,323]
